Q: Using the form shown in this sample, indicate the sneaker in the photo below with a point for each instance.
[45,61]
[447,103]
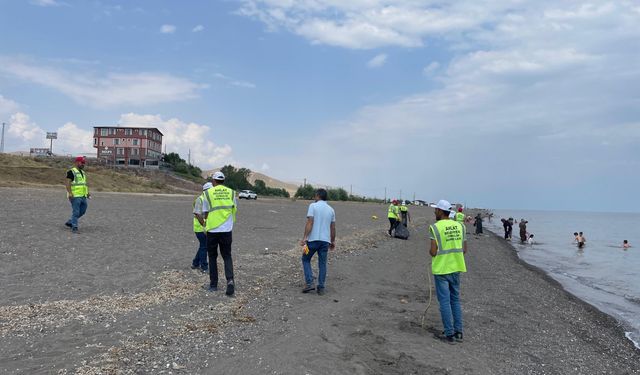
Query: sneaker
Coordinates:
[308,288]
[193,267]
[212,288]
[458,337]
[230,288]
[448,339]
[321,291]
[204,270]
[67,224]
[74,229]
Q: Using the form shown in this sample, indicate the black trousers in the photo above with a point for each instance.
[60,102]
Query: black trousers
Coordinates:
[223,241]
[393,223]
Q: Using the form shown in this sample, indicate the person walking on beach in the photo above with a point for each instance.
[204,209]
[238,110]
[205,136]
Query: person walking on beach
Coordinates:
[523,230]
[478,224]
[200,260]
[393,213]
[319,237]
[219,208]
[77,192]
[448,246]
[404,213]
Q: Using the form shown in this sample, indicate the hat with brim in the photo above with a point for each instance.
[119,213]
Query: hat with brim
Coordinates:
[442,205]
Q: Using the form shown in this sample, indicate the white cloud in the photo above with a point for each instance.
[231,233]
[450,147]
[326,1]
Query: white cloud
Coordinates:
[197,28]
[74,140]
[23,129]
[431,68]
[377,61]
[110,90]
[168,29]
[7,105]
[235,82]
[181,136]
[265,167]
[46,3]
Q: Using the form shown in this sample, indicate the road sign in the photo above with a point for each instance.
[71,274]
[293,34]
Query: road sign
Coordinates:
[52,135]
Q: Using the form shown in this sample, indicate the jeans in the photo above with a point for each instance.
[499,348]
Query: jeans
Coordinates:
[222,240]
[448,292]
[322,248]
[78,209]
[201,256]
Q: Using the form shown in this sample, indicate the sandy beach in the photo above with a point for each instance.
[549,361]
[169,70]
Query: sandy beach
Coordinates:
[120,298]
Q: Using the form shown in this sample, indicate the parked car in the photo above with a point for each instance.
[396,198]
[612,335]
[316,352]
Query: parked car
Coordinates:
[247,194]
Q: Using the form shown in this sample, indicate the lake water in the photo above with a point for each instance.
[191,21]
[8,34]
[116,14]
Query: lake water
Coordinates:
[603,274]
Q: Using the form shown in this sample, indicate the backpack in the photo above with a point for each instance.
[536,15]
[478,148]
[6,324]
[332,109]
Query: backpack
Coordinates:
[401,232]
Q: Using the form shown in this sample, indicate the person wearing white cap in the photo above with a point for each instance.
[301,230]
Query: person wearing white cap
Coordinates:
[200,260]
[219,208]
[448,246]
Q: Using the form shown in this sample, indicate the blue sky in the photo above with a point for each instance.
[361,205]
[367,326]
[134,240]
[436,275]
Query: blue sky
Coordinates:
[523,104]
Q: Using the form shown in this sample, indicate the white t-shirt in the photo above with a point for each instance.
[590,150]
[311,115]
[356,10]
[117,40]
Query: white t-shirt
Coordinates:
[323,215]
[227,226]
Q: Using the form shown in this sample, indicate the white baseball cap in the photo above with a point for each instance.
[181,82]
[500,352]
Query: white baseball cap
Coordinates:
[206,186]
[219,176]
[442,204]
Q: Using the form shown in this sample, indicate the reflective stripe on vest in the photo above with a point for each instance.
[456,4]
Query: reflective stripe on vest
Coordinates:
[197,227]
[221,206]
[393,211]
[79,184]
[449,236]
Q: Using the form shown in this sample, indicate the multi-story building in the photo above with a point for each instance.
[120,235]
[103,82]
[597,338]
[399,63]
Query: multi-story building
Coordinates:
[134,147]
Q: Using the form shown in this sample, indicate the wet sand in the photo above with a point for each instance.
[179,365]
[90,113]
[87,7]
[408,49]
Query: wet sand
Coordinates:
[120,298]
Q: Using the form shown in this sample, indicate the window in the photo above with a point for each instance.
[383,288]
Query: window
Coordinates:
[144,131]
[95,141]
[134,162]
[103,131]
[120,151]
[135,151]
[101,143]
[116,141]
[127,131]
[135,142]
[112,131]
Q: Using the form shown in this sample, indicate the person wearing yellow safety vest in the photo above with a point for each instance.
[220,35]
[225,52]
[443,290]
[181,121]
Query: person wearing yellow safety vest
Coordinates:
[219,212]
[404,212]
[200,260]
[460,218]
[77,192]
[448,246]
[393,213]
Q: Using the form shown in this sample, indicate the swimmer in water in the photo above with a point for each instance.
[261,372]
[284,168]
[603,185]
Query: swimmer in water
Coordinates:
[575,237]
[625,244]
[581,240]
[530,240]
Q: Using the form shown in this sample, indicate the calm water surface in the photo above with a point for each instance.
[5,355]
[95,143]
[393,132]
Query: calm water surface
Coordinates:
[602,274]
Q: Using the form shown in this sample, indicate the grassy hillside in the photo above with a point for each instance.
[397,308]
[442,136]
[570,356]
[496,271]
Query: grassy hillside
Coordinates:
[16,171]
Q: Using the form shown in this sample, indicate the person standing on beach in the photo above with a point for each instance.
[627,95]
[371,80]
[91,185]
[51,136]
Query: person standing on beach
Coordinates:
[319,237]
[478,224]
[523,230]
[393,213]
[447,249]
[404,212]
[219,211]
[77,192]
[200,260]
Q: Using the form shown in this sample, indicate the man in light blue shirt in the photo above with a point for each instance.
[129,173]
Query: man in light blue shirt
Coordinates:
[319,237]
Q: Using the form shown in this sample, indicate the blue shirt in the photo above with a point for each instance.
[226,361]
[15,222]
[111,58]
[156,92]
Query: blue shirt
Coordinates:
[323,215]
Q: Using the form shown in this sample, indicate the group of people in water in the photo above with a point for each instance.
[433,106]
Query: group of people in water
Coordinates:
[581,241]
[525,237]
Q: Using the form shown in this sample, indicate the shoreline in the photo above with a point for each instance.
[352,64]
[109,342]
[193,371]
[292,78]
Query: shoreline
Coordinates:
[546,276]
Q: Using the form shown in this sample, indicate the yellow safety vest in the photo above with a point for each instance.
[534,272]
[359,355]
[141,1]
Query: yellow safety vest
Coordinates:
[460,217]
[221,206]
[197,227]
[393,211]
[404,208]
[79,186]
[449,236]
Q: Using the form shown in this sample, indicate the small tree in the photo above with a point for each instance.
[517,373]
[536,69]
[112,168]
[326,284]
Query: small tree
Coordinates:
[305,192]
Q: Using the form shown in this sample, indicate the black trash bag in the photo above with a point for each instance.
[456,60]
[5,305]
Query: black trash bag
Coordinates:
[401,232]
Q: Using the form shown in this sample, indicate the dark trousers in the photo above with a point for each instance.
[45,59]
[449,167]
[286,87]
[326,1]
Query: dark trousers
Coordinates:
[222,240]
[393,223]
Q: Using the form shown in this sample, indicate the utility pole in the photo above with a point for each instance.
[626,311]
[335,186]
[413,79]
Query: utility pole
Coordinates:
[304,184]
[189,157]
[350,190]
[414,196]
[385,194]
[2,140]
[400,194]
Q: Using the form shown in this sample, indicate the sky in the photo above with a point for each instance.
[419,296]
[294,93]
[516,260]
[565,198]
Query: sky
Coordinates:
[531,104]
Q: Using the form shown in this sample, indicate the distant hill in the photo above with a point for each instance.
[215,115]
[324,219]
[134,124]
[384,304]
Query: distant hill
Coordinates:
[19,171]
[269,181]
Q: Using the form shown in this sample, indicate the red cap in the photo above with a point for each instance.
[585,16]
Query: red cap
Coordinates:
[81,159]
[459,209]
